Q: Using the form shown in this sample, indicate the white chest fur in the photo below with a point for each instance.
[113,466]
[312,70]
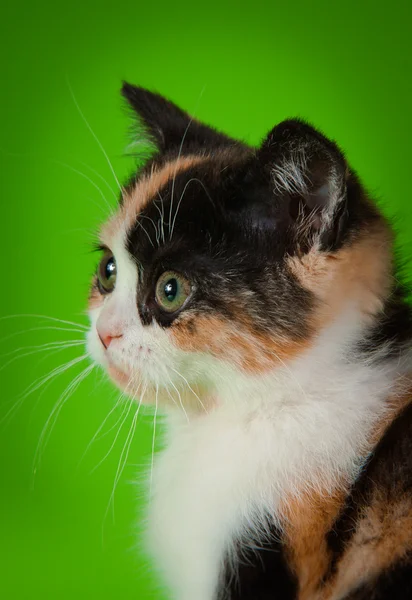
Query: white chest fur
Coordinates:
[225,472]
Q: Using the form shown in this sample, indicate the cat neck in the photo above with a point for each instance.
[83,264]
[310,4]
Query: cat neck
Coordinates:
[300,431]
[332,400]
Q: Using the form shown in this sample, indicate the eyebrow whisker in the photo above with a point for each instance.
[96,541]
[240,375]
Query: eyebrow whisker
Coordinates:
[180,152]
[154,225]
[161,213]
[95,137]
[148,236]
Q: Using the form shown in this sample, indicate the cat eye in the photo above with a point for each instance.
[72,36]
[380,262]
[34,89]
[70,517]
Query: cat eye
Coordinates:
[106,273]
[172,291]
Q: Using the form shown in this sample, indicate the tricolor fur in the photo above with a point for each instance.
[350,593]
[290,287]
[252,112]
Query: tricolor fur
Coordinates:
[286,376]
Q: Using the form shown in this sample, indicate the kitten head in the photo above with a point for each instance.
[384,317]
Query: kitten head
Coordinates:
[225,261]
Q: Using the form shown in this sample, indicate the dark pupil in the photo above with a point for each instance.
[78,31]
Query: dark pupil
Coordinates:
[110,268]
[170,289]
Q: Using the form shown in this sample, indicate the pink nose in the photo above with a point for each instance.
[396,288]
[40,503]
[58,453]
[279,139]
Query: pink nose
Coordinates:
[106,338]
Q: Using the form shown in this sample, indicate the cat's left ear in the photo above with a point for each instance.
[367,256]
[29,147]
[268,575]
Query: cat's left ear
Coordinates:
[308,175]
[170,128]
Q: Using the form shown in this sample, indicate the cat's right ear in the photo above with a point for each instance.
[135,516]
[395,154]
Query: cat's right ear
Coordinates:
[309,179]
[170,128]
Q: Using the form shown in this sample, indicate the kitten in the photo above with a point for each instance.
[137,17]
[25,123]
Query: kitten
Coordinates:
[249,293]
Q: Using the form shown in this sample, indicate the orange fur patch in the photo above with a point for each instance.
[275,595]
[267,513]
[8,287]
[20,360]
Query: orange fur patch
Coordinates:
[307,521]
[145,190]
[383,536]
[360,272]
[233,341]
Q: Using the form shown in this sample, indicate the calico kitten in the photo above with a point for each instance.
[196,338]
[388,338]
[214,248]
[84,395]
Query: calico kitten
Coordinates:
[249,293]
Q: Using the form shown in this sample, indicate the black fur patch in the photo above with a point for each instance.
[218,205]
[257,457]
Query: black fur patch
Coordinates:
[227,224]
[171,129]
[387,474]
[263,574]
[392,330]
[210,239]
[393,584]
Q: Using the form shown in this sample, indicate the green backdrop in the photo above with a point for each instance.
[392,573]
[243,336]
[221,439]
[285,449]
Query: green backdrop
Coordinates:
[346,67]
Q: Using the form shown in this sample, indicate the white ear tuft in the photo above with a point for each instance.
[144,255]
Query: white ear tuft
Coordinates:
[290,175]
[308,174]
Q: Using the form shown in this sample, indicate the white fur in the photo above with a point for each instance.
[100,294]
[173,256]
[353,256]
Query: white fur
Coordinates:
[142,353]
[271,438]
[119,308]
[292,176]
[302,426]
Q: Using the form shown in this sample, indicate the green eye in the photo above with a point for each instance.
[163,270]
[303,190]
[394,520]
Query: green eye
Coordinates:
[172,291]
[107,273]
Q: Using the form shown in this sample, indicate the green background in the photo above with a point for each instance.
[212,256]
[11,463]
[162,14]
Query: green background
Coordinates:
[241,67]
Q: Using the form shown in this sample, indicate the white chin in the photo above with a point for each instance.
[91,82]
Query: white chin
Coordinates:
[120,378]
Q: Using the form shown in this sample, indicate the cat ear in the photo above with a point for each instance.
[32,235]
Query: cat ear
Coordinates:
[170,128]
[308,175]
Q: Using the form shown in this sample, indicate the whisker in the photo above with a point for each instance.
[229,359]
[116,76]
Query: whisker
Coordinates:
[128,407]
[39,351]
[91,233]
[63,164]
[41,347]
[154,225]
[52,353]
[34,316]
[96,435]
[148,236]
[180,399]
[178,206]
[95,137]
[64,397]
[190,388]
[39,397]
[46,328]
[99,437]
[171,397]
[175,171]
[181,198]
[103,179]
[161,213]
[153,441]
[40,382]
[125,451]
[94,184]
[179,154]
